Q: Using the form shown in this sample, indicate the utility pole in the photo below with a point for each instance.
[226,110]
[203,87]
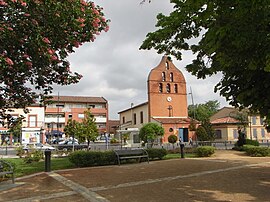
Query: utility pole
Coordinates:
[192,103]
[58,116]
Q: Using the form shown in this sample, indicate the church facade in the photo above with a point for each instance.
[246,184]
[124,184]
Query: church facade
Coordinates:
[166,105]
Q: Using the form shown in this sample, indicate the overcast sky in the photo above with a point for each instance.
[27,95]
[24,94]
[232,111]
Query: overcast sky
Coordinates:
[113,67]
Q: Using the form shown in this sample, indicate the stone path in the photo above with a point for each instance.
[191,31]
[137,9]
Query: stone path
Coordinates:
[228,176]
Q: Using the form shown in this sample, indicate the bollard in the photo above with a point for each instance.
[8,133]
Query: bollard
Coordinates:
[182,150]
[47,160]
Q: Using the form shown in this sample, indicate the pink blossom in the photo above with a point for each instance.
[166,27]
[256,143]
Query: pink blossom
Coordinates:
[9,61]
[23,4]
[54,57]
[76,44]
[25,56]
[103,19]
[106,28]
[97,20]
[81,20]
[51,51]
[46,40]
[82,25]
[29,64]
[83,9]
[93,38]
[95,11]
[10,28]
[27,14]
[95,24]
[97,33]
[3,3]
[83,2]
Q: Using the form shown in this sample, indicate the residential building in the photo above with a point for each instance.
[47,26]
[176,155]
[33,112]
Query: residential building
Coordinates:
[64,108]
[226,125]
[32,125]
[166,105]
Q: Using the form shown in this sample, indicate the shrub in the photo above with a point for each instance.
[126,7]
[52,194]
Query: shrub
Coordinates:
[256,151]
[114,141]
[155,153]
[252,142]
[92,158]
[204,151]
[33,156]
[172,139]
[19,151]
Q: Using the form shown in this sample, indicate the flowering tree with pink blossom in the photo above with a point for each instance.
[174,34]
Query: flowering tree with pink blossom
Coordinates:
[36,37]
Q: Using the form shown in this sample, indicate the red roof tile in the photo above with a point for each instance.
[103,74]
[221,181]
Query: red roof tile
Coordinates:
[81,99]
[225,120]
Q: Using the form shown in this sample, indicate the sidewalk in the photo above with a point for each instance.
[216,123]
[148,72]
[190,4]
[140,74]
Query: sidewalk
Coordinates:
[228,176]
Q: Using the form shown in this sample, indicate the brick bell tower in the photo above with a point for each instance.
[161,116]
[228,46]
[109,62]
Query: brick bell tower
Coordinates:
[167,100]
[167,95]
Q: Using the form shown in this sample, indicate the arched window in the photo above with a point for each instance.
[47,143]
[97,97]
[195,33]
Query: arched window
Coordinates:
[167,65]
[171,77]
[168,88]
[163,76]
[160,86]
[175,88]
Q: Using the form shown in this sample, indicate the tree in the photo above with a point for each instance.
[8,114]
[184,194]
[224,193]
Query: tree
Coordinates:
[150,131]
[209,130]
[201,134]
[71,129]
[172,139]
[35,40]
[88,130]
[203,111]
[231,37]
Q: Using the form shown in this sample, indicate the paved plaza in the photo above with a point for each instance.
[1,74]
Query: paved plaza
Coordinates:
[227,176]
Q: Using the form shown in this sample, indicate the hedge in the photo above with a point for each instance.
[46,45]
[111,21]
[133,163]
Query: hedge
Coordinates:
[256,151]
[99,158]
[205,151]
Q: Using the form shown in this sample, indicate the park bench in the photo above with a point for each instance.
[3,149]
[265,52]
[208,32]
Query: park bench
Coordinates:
[131,154]
[6,169]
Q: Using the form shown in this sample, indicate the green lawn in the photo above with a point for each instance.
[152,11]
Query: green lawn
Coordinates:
[177,156]
[22,168]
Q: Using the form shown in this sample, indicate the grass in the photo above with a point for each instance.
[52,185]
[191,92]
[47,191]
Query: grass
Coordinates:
[177,156]
[22,168]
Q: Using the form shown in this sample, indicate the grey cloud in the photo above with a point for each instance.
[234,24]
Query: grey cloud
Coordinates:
[113,66]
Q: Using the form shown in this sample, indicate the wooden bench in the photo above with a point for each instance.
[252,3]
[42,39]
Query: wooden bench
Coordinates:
[6,169]
[131,154]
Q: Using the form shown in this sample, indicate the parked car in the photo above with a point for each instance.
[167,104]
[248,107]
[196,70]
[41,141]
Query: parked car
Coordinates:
[68,145]
[37,146]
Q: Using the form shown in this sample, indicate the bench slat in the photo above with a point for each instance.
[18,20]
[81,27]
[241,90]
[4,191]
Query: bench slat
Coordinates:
[9,169]
[131,154]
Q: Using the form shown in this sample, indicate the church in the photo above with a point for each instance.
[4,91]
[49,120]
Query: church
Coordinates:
[166,105]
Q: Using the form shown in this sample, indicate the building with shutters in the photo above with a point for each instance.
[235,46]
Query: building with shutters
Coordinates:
[64,108]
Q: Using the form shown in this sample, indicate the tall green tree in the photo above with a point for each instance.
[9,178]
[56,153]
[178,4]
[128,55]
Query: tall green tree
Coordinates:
[204,111]
[36,37]
[71,129]
[231,37]
[88,128]
[151,131]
